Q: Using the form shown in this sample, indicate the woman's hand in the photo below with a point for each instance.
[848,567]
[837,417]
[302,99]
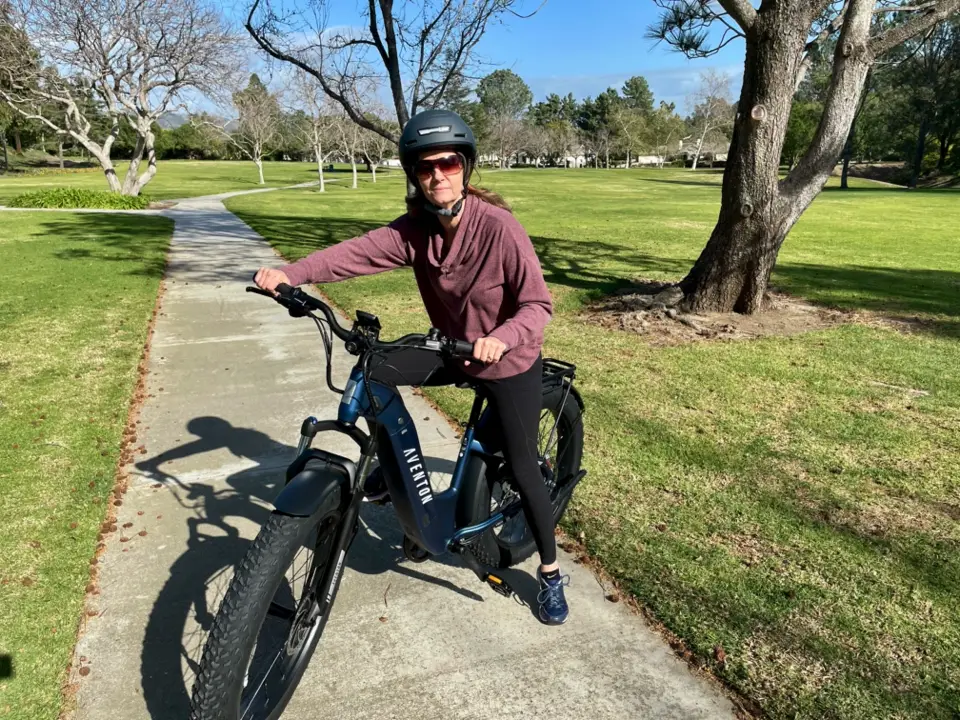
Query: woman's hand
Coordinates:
[488,350]
[268,279]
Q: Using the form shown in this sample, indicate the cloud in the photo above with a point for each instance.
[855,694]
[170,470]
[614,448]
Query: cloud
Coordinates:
[670,84]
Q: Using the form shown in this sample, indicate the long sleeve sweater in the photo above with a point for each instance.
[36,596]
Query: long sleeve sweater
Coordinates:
[488,283]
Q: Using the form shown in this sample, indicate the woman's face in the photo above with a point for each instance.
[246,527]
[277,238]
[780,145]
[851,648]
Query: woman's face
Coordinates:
[443,186]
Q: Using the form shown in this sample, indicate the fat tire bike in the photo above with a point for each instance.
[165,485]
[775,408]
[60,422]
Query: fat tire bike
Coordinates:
[280,597]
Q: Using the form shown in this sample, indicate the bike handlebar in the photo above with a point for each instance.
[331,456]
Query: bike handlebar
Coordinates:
[300,303]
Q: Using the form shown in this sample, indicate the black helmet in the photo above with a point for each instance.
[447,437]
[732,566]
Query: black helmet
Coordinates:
[435,128]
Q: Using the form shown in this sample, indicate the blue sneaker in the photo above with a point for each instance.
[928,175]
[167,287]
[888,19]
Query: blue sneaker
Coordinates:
[553,605]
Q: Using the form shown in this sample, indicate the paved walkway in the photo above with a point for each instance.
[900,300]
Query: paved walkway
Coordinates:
[231,377]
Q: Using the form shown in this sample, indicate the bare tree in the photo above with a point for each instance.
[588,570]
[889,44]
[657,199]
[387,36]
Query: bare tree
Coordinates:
[349,140]
[375,147]
[632,129]
[132,61]
[256,128]
[416,49]
[318,129]
[758,208]
[712,111]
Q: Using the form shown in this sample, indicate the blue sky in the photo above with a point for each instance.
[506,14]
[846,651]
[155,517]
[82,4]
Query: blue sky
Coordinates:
[585,47]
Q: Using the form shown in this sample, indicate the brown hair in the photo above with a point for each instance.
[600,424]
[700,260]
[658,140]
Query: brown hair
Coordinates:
[415,203]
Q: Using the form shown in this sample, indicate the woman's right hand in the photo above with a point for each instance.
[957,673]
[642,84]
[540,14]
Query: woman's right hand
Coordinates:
[268,279]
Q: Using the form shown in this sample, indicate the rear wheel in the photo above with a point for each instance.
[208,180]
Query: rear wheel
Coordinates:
[268,624]
[559,451]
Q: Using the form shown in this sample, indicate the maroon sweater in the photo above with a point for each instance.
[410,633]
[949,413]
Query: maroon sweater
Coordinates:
[489,283]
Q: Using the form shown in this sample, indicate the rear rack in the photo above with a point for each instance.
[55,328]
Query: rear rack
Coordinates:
[554,371]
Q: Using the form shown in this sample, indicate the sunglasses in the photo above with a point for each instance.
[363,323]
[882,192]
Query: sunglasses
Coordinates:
[448,165]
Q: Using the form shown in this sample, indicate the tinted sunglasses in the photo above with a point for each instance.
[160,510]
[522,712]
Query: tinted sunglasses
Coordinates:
[448,165]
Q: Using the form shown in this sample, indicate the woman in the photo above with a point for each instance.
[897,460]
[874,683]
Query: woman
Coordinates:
[480,281]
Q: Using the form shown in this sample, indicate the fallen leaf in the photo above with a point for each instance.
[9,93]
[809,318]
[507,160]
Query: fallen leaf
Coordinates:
[84,671]
[613,597]
[91,587]
[127,525]
[719,654]
[124,539]
[142,533]
[73,526]
[383,618]
[139,512]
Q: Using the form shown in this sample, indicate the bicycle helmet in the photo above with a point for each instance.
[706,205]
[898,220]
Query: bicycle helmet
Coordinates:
[432,129]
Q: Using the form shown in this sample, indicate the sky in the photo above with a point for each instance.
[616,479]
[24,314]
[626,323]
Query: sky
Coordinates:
[586,47]
[580,47]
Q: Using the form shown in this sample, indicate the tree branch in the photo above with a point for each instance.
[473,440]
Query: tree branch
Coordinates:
[741,11]
[922,20]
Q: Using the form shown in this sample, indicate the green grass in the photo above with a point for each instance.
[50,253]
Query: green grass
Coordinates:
[75,302]
[770,497]
[183,178]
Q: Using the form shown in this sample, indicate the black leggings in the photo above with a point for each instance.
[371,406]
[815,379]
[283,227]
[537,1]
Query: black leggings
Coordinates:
[515,402]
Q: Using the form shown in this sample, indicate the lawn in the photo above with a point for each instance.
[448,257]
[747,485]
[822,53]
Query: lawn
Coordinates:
[75,302]
[181,178]
[793,501]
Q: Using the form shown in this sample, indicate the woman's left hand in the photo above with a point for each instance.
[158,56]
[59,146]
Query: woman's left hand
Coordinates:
[488,350]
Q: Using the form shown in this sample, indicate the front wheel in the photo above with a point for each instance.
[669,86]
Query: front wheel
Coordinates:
[559,451]
[268,624]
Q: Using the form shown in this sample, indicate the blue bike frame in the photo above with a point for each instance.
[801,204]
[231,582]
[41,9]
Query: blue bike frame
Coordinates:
[427,518]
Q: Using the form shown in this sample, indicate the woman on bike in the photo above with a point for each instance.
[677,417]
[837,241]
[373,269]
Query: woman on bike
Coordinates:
[480,281]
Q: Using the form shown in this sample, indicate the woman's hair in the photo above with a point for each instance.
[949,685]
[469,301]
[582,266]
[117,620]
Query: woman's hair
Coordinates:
[415,203]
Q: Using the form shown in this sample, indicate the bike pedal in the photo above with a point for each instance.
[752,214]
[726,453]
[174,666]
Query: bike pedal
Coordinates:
[499,585]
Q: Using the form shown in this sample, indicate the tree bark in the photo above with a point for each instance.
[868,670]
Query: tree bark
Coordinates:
[259,163]
[353,168]
[628,158]
[16,140]
[3,142]
[919,152]
[696,157]
[60,150]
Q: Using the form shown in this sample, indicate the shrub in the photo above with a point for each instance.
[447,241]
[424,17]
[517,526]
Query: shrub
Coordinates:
[79,198]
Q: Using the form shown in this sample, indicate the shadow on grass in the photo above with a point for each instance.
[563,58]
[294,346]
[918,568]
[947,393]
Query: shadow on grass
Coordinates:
[186,605]
[136,241]
[600,268]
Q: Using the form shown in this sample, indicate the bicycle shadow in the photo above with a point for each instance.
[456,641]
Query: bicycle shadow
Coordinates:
[223,521]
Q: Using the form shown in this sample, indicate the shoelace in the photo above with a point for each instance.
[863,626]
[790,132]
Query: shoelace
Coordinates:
[548,595]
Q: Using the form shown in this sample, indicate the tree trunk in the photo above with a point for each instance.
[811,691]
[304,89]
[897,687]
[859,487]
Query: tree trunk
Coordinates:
[318,152]
[757,209]
[945,139]
[696,157]
[847,154]
[133,184]
[353,169]
[16,140]
[918,153]
[628,158]
[606,158]
[373,169]
[259,162]
[60,150]
[3,142]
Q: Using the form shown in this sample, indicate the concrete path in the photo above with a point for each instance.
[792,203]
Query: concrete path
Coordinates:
[231,378]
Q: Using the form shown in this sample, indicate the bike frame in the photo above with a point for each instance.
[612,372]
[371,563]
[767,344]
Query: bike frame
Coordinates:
[427,518]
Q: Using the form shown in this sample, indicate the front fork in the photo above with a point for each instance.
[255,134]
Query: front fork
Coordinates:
[347,529]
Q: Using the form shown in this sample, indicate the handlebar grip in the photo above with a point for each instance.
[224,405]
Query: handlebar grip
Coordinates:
[463,348]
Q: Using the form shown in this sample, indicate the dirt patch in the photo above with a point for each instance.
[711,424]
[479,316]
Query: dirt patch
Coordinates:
[645,309]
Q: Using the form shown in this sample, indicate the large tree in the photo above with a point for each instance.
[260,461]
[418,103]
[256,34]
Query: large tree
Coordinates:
[758,208]
[135,60]
[257,129]
[413,48]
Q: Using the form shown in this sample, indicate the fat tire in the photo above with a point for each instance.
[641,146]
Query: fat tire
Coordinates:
[218,686]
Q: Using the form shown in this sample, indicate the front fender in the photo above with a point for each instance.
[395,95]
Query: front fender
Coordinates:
[318,481]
